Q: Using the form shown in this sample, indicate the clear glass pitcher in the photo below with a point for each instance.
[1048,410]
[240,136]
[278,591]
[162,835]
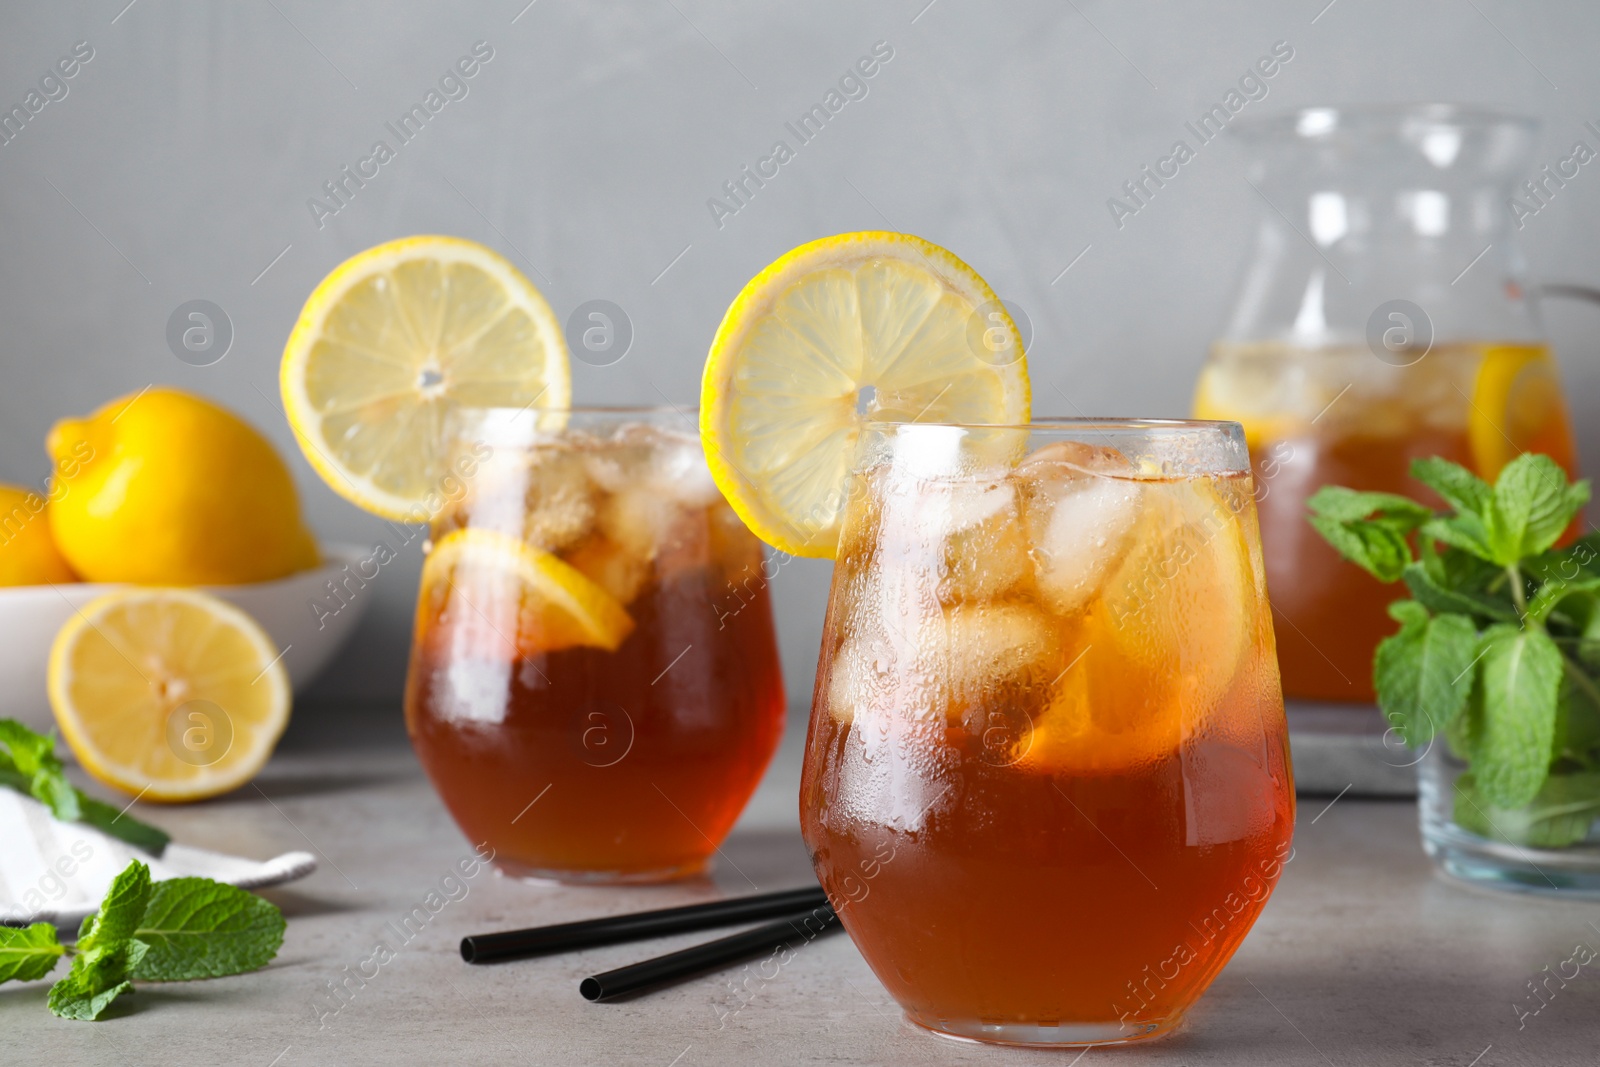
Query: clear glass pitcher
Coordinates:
[1384,315]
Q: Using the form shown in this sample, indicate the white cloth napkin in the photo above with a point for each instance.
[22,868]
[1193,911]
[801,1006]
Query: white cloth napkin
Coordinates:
[56,872]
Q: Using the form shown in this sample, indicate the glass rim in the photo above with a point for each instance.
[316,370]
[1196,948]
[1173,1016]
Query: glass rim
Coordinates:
[586,409]
[1324,121]
[1071,423]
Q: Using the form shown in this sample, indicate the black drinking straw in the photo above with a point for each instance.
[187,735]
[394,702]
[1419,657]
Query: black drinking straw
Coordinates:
[691,961]
[539,940]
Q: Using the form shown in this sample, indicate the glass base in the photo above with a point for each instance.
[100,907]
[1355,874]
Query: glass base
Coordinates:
[1045,1035]
[1503,865]
[550,876]
[1568,872]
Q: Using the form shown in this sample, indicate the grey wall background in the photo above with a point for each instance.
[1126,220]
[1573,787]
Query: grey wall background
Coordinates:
[179,164]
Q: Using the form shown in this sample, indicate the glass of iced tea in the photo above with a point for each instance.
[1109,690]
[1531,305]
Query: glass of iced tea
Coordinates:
[1046,783]
[584,691]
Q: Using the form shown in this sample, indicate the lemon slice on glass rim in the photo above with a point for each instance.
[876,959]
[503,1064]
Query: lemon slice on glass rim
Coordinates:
[394,339]
[531,600]
[859,326]
[168,694]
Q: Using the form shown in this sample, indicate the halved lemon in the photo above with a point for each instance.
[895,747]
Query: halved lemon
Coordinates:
[168,694]
[393,340]
[1517,407]
[857,326]
[518,597]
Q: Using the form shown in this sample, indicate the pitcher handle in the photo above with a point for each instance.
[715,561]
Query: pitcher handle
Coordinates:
[1571,292]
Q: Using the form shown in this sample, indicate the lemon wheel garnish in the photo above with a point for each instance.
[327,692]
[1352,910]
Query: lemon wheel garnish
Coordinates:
[168,694]
[395,338]
[861,325]
[519,597]
[1517,406]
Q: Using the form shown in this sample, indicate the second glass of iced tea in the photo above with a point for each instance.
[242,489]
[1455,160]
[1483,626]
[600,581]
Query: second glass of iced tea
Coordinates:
[594,685]
[1046,783]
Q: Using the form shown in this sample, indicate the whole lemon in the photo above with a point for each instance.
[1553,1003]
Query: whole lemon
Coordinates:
[170,489]
[28,554]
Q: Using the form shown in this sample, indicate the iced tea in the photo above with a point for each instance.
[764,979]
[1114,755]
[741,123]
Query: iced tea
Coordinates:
[586,693]
[1338,416]
[1046,781]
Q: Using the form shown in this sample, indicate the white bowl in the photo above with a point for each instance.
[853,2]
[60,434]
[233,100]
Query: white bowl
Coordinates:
[30,616]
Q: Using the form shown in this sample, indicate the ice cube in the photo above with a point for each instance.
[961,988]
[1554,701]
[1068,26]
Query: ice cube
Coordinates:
[849,681]
[669,462]
[918,661]
[993,650]
[616,569]
[1080,505]
[962,536]
[657,528]
[986,544]
[1064,459]
[735,549]
[558,499]
[637,520]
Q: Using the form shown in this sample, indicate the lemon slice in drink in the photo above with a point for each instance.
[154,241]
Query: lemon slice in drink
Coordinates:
[1517,406]
[1248,392]
[1162,645]
[517,597]
[169,694]
[879,325]
[395,338]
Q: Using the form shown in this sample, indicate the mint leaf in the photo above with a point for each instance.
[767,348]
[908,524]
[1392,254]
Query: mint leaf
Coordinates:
[1577,733]
[1532,505]
[120,911]
[1460,488]
[1520,676]
[1466,532]
[1348,505]
[1380,551]
[113,821]
[1560,815]
[1579,559]
[1462,734]
[1368,529]
[1552,595]
[97,978]
[1423,674]
[28,749]
[28,953]
[33,756]
[106,953]
[1438,597]
[197,928]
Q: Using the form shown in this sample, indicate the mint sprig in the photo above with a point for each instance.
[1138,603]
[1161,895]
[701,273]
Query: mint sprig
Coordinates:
[176,930]
[1498,649]
[29,765]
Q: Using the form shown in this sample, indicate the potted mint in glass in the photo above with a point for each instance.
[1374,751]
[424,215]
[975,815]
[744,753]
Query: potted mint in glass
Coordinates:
[1494,673]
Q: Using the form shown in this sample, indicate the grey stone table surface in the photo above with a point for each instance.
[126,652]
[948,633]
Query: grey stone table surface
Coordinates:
[1363,955]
